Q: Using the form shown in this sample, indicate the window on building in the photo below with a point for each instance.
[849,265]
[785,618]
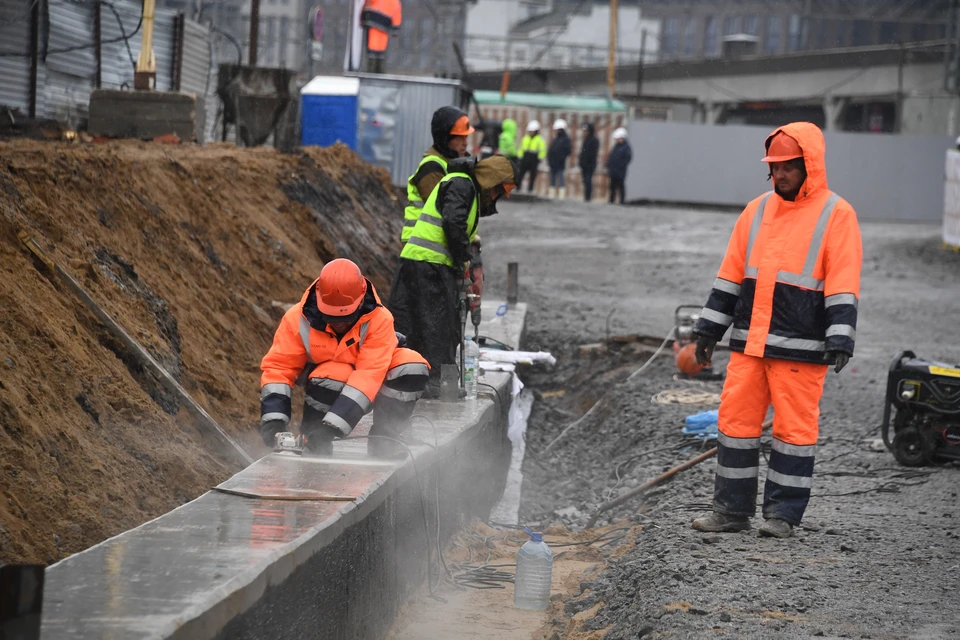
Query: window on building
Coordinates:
[690,37]
[771,40]
[731,25]
[750,25]
[862,33]
[795,33]
[889,32]
[671,37]
[710,37]
[919,32]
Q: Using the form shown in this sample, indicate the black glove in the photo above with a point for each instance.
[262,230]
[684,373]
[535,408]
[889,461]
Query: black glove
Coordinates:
[842,359]
[704,350]
[269,430]
[401,339]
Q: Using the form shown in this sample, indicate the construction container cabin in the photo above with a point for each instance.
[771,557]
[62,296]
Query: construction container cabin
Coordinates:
[384,118]
[605,114]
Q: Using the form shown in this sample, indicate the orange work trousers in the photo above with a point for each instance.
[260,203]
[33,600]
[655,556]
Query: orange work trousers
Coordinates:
[794,389]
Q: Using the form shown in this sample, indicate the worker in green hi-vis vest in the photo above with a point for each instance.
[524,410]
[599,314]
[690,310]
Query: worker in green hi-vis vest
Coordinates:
[450,127]
[434,259]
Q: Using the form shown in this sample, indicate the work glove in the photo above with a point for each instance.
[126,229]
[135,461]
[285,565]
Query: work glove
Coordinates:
[401,339]
[270,429]
[704,350]
[842,359]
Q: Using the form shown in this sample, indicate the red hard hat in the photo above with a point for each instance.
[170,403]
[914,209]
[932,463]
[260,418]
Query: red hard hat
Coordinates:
[340,289]
[782,148]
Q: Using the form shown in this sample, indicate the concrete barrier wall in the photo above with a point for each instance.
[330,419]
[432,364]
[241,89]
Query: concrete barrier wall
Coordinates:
[885,177]
[298,547]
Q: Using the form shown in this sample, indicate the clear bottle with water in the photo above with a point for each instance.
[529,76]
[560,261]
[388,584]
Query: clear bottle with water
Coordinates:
[534,572]
[471,367]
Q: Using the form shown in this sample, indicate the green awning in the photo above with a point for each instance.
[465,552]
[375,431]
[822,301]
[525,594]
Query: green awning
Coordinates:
[549,101]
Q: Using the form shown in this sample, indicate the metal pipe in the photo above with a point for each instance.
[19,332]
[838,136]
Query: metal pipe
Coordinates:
[34,55]
[612,50]
[254,31]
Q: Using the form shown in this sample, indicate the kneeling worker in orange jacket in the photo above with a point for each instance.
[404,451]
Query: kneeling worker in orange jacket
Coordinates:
[789,284]
[342,338]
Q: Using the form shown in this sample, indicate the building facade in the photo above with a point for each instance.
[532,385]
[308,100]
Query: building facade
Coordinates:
[519,34]
[697,28]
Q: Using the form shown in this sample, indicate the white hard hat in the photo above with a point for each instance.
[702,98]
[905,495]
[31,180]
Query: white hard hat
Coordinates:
[559,123]
[533,126]
[620,134]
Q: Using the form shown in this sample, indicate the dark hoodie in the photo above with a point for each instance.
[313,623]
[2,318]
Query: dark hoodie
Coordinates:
[589,150]
[560,150]
[443,120]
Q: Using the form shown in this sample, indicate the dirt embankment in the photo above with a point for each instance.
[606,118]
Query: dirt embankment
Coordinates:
[186,247]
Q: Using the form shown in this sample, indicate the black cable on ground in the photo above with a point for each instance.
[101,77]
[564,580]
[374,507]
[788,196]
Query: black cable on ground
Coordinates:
[505,346]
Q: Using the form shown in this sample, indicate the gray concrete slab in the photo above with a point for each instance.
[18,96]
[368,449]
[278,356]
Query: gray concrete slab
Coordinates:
[194,572]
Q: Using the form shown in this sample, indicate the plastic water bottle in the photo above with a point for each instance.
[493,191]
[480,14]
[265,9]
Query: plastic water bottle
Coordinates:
[471,361]
[531,588]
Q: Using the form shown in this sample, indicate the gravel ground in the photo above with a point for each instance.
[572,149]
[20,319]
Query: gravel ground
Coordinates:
[878,555]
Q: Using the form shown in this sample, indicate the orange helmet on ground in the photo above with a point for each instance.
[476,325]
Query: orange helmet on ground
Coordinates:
[686,360]
[340,289]
[782,148]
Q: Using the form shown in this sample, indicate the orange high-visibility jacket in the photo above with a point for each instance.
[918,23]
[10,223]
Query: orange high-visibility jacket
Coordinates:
[790,281]
[360,359]
[380,17]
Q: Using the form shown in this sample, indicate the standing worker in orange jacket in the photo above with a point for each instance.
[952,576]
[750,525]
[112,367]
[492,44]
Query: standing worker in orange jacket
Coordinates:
[342,338]
[789,284]
[379,18]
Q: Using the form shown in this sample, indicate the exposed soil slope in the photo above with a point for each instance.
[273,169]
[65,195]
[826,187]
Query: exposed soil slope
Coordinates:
[186,247]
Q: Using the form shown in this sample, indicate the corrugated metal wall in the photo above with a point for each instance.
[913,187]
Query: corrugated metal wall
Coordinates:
[409,105]
[66,72]
[14,54]
[195,72]
[605,122]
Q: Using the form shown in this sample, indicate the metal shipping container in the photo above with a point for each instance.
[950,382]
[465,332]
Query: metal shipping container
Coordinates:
[606,115]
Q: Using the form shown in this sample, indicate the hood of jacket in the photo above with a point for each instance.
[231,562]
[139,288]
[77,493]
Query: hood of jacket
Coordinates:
[509,126]
[443,120]
[591,130]
[810,139]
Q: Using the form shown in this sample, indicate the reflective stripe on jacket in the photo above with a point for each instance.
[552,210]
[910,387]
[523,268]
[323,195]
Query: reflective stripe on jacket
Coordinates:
[303,342]
[790,281]
[412,212]
[428,242]
[533,144]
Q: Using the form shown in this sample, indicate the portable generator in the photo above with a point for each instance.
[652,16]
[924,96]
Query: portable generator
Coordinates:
[926,396]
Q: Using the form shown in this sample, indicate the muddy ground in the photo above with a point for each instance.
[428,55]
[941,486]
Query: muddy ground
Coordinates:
[187,248]
[879,553]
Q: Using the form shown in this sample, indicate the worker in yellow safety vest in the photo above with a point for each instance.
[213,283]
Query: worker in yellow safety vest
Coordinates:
[450,127]
[434,260]
[533,149]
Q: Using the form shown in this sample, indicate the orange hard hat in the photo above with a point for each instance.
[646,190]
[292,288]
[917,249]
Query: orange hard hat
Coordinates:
[686,360]
[340,288]
[782,148]
[462,127]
